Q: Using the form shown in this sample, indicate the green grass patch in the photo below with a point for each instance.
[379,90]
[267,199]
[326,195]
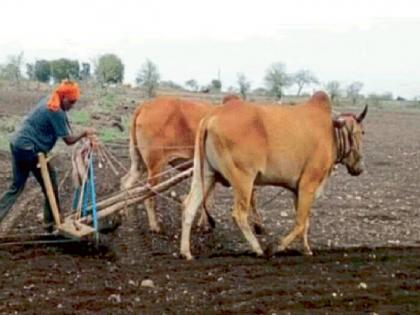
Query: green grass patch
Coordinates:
[4,142]
[107,103]
[7,127]
[110,134]
[80,117]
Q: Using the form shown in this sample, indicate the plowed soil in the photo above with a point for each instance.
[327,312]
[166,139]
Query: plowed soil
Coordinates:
[365,234]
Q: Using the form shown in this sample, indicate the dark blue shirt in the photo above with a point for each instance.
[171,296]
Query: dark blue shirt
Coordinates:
[41,129]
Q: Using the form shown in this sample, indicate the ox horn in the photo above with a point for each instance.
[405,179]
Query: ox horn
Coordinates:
[362,115]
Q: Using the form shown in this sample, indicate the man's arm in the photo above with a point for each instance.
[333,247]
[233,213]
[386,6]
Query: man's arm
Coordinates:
[71,139]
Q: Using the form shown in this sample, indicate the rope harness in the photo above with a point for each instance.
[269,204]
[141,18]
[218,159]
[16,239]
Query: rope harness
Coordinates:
[345,141]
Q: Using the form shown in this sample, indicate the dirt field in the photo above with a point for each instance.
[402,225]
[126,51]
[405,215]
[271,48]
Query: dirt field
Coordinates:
[365,233]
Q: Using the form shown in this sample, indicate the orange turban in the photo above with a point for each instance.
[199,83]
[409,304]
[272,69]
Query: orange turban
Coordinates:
[67,89]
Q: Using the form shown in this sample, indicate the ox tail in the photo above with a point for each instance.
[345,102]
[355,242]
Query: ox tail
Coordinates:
[137,163]
[199,156]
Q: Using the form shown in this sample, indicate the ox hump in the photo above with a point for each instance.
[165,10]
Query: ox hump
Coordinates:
[320,97]
[231,97]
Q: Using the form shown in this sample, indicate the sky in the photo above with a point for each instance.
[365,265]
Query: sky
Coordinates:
[375,42]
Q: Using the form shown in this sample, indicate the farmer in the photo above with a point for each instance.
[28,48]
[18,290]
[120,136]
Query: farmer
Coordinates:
[39,132]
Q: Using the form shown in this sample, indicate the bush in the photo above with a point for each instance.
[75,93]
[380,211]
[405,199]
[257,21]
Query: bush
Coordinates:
[64,69]
[109,69]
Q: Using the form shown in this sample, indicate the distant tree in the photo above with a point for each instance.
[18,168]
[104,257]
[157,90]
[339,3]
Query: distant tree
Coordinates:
[9,72]
[276,79]
[387,96]
[109,69]
[244,85]
[260,91]
[85,72]
[304,77]
[216,84]
[170,85]
[148,77]
[205,89]
[12,71]
[333,88]
[42,70]
[192,84]
[30,71]
[64,68]
[353,91]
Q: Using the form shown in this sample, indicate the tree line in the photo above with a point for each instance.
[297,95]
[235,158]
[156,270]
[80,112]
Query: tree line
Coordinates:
[109,69]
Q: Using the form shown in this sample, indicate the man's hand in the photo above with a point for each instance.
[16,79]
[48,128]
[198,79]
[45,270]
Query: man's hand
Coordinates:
[92,136]
[89,132]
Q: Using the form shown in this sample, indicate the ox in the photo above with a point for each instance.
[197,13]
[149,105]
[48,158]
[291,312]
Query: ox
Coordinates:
[295,147]
[162,133]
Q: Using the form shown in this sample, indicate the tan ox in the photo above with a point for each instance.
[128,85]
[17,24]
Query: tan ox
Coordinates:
[163,132]
[295,147]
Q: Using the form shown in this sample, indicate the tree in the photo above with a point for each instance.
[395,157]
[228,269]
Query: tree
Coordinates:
[276,79]
[109,69]
[148,77]
[304,77]
[244,85]
[30,71]
[170,85]
[64,68]
[386,96]
[12,70]
[333,88]
[192,84]
[353,91]
[85,72]
[216,84]
[42,70]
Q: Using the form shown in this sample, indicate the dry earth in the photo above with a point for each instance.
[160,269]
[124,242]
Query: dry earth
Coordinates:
[365,233]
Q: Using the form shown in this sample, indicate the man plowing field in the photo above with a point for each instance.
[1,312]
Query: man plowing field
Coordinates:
[39,132]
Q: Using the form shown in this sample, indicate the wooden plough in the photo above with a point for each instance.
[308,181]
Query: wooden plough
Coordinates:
[86,226]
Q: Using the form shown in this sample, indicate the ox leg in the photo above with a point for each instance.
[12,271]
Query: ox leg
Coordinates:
[303,203]
[150,203]
[136,167]
[256,217]
[205,222]
[241,212]
[306,249]
[192,203]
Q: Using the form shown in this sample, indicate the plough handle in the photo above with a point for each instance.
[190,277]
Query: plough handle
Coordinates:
[48,188]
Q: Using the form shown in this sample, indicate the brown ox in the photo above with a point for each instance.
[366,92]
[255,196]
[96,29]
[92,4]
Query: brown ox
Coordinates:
[163,133]
[295,147]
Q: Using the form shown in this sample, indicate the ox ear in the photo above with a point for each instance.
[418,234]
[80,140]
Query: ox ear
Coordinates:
[338,122]
[362,114]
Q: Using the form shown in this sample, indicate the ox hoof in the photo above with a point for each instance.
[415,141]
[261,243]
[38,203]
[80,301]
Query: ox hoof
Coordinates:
[187,256]
[281,248]
[307,252]
[259,253]
[156,230]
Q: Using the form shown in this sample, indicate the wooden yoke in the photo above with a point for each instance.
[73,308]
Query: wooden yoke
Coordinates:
[48,188]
